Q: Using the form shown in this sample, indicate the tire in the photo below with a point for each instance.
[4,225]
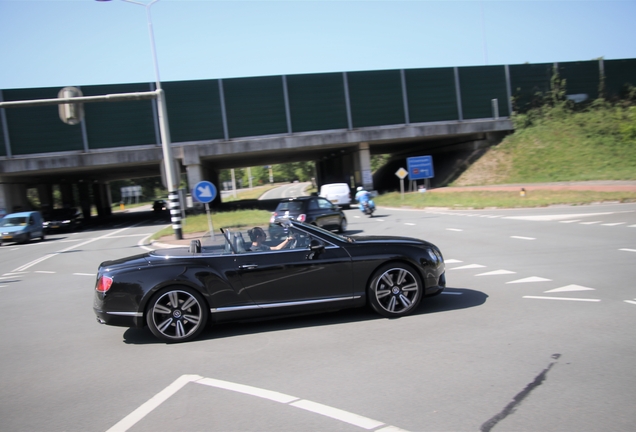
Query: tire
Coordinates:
[343,225]
[177,314]
[395,290]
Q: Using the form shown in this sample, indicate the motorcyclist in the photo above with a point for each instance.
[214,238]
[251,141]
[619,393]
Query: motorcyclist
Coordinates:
[364,198]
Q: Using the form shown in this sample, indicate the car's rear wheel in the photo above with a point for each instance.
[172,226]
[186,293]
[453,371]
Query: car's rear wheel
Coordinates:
[395,290]
[177,314]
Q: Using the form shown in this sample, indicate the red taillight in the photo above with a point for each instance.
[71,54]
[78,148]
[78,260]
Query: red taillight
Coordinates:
[301,218]
[103,284]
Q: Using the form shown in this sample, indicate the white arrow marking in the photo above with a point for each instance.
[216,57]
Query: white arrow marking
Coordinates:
[530,279]
[497,272]
[469,266]
[570,288]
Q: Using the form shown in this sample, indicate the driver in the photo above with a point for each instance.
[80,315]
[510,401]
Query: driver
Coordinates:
[258,236]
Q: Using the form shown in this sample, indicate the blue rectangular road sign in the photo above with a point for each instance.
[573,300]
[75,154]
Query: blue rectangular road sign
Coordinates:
[420,167]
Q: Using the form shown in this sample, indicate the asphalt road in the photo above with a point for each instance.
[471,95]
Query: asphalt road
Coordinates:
[535,332]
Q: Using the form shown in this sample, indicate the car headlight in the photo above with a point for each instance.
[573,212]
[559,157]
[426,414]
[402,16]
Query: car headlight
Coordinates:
[435,255]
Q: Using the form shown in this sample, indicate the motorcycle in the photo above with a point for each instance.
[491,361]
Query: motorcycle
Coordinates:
[368,208]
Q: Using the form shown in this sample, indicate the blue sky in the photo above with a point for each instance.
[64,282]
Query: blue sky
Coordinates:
[57,43]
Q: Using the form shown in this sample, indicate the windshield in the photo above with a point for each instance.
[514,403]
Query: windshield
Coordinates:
[14,221]
[289,206]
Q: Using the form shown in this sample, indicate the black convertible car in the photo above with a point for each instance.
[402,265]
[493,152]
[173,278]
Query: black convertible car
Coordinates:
[239,275]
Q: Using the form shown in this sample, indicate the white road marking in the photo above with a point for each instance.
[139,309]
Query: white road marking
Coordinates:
[469,266]
[337,414]
[570,288]
[631,302]
[44,272]
[523,238]
[571,221]
[555,217]
[452,261]
[410,224]
[529,279]
[628,250]
[45,257]
[496,272]
[131,419]
[85,274]
[454,229]
[561,298]
[614,224]
[590,223]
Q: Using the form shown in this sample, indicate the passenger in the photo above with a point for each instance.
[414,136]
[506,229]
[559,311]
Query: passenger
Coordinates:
[258,236]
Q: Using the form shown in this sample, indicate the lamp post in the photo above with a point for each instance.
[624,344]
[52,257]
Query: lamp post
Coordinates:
[164,130]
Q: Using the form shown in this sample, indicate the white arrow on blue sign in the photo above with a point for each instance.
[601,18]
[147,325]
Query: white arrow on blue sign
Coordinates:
[204,192]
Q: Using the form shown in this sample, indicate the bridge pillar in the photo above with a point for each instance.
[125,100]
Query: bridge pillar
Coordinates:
[194,170]
[362,166]
[102,198]
[45,193]
[85,199]
[13,197]
[68,200]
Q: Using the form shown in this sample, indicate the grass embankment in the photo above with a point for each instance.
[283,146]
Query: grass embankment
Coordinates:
[557,145]
[549,145]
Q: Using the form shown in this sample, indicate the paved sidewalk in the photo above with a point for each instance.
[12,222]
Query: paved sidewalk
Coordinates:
[600,186]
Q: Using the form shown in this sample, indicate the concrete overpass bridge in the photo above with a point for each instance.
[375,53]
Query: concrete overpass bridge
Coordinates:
[335,119]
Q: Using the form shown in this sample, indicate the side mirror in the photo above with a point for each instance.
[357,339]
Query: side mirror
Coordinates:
[316,249]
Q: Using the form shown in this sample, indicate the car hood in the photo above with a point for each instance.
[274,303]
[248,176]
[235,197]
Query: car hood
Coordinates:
[12,229]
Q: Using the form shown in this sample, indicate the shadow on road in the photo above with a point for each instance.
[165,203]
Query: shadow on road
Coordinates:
[454,299]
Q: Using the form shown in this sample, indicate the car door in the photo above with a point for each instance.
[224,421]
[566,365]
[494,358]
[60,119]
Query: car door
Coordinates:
[329,216]
[297,275]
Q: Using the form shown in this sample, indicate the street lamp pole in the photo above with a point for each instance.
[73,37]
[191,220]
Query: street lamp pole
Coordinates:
[172,182]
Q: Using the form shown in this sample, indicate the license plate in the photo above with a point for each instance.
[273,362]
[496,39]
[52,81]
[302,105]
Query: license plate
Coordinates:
[7,237]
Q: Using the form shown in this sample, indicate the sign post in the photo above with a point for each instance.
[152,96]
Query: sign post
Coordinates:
[401,173]
[205,192]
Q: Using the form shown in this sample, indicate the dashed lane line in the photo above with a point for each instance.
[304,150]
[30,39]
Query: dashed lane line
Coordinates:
[337,414]
[523,238]
[561,298]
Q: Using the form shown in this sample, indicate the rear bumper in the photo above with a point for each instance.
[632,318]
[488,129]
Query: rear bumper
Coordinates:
[119,319]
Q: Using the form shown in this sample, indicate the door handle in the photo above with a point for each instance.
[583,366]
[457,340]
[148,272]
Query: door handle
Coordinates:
[248,266]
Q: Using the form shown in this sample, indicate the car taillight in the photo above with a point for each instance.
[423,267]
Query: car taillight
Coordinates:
[103,284]
[273,218]
[301,218]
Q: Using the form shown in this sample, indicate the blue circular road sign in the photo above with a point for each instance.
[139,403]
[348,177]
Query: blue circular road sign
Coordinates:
[204,192]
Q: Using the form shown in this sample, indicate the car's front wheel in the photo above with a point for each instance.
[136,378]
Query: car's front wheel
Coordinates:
[395,290]
[177,314]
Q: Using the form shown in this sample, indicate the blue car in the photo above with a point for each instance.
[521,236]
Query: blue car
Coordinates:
[21,227]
